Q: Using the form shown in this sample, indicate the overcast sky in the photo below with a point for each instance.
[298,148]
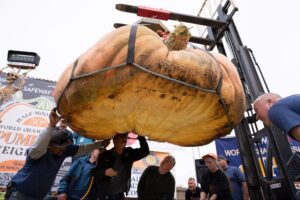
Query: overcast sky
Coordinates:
[60,30]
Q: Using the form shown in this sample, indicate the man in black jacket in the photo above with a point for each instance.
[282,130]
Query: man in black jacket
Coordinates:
[113,171]
[157,182]
[214,183]
[193,191]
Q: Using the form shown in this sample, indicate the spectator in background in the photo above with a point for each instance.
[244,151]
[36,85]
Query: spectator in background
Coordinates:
[214,182]
[113,171]
[237,179]
[43,161]
[79,140]
[284,113]
[158,183]
[77,182]
[193,191]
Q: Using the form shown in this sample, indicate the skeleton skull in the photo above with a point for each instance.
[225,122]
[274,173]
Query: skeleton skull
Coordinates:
[11,76]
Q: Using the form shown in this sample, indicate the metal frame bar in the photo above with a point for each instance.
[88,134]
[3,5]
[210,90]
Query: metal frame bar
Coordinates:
[259,186]
[224,27]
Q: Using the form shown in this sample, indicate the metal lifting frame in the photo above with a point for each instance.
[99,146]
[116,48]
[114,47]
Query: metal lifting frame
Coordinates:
[260,180]
[247,133]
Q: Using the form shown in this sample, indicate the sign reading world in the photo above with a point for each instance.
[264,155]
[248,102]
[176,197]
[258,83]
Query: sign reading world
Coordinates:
[229,148]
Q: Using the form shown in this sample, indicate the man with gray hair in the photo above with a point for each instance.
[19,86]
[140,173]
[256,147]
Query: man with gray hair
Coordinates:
[157,182]
[193,191]
[284,113]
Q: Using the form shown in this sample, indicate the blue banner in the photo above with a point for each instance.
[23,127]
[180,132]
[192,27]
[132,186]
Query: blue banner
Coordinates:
[229,148]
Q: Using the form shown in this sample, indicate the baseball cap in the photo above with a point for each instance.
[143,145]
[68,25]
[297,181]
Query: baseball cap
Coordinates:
[222,157]
[212,155]
[61,139]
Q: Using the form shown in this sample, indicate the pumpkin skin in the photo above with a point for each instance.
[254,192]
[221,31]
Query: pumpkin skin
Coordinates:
[128,99]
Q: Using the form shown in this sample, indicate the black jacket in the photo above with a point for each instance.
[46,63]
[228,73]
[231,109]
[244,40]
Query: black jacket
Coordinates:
[106,160]
[216,183]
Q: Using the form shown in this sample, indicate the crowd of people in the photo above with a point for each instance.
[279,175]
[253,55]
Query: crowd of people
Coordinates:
[95,173]
[101,174]
[219,181]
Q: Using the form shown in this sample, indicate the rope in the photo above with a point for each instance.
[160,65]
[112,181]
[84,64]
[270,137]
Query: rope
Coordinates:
[98,72]
[172,79]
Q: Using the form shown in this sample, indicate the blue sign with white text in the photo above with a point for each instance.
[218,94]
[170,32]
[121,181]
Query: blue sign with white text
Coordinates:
[229,148]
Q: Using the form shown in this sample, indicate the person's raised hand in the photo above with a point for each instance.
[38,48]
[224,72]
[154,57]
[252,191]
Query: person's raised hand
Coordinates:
[110,172]
[53,117]
[62,196]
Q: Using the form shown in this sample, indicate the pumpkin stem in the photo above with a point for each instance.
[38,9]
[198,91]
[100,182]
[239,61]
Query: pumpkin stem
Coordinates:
[178,38]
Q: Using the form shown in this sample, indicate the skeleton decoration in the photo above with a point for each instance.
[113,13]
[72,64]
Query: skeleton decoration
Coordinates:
[15,79]
[13,83]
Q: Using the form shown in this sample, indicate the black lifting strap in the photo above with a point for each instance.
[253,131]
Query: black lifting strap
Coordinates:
[71,76]
[131,45]
[222,101]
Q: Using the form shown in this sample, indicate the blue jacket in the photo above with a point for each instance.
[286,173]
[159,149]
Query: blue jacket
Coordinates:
[37,175]
[76,181]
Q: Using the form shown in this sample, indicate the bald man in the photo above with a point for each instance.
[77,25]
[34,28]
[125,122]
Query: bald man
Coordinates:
[157,182]
[284,113]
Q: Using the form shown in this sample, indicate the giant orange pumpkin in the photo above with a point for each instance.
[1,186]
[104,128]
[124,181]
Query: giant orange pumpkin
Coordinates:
[186,97]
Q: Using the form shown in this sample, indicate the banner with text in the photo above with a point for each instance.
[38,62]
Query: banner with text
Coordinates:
[22,117]
[229,148]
